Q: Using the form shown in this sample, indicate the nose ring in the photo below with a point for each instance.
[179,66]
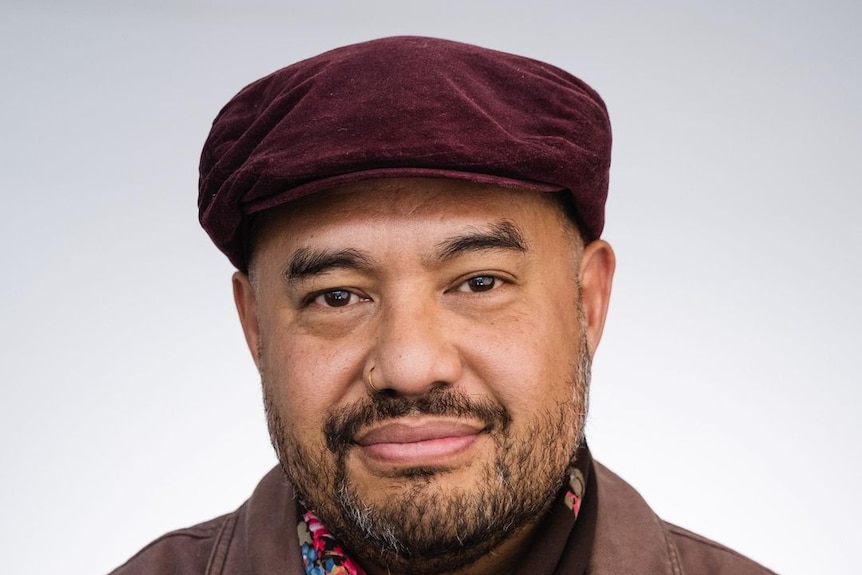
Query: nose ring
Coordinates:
[371,380]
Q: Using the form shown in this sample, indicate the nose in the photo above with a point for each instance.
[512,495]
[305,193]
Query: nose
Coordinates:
[415,350]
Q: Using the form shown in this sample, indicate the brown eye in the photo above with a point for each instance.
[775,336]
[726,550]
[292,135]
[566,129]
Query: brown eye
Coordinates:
[335,298]
[479,284]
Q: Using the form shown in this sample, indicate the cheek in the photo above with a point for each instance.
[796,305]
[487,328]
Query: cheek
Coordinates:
[523,361]
[527,360]
[305,377]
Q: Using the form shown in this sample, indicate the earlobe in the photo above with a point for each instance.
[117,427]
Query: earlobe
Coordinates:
[246,307]
[597,272]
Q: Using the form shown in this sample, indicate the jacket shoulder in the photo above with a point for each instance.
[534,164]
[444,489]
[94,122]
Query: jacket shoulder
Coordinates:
[700,555]
[187,551]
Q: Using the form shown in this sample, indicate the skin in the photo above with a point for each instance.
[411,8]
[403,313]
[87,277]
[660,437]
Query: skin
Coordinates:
[478,308]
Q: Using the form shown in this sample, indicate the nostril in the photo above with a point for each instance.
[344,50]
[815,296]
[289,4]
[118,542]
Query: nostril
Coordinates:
[437,386]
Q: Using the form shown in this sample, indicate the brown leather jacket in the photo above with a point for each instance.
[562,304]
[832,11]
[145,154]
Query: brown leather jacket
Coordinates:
[260,539]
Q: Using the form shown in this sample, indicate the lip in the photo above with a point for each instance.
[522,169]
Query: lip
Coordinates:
[418,441]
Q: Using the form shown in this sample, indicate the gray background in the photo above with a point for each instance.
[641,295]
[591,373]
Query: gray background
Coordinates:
[725,387]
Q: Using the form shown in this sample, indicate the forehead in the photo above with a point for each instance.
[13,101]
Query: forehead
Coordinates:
[414,200]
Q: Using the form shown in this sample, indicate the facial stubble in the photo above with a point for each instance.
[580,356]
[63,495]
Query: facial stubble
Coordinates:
[422,527]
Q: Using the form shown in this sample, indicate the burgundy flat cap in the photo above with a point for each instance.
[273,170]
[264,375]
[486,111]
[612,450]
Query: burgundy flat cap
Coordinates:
[403,106]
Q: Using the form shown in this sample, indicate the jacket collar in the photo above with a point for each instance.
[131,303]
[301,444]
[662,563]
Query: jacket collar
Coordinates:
[630,538]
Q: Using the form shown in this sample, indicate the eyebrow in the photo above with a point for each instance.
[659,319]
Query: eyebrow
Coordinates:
[307,262]
[500,236]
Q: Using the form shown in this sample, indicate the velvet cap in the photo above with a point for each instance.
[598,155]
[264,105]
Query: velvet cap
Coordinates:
[403,107]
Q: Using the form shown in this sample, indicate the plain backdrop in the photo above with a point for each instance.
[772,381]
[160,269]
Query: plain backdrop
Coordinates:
[726,388]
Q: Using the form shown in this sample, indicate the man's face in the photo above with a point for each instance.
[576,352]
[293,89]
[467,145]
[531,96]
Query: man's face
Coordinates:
[466,302]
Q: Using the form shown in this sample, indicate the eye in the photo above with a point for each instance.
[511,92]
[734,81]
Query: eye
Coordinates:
[336,298]
[478,284]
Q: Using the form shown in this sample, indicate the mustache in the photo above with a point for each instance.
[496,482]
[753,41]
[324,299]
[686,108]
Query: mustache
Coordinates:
[341,426]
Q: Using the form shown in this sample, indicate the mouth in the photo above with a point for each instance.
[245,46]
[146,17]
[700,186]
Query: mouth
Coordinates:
[418,441]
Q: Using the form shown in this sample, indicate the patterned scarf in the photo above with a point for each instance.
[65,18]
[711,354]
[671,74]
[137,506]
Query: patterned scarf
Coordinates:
[322,554]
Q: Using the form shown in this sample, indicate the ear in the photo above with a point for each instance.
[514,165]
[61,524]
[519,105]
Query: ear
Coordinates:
[246,306]
[597,273]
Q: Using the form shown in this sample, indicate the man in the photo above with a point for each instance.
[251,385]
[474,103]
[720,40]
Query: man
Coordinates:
[422,285]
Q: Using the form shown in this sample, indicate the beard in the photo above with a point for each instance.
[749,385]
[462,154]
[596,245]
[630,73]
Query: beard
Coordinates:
[423,528]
